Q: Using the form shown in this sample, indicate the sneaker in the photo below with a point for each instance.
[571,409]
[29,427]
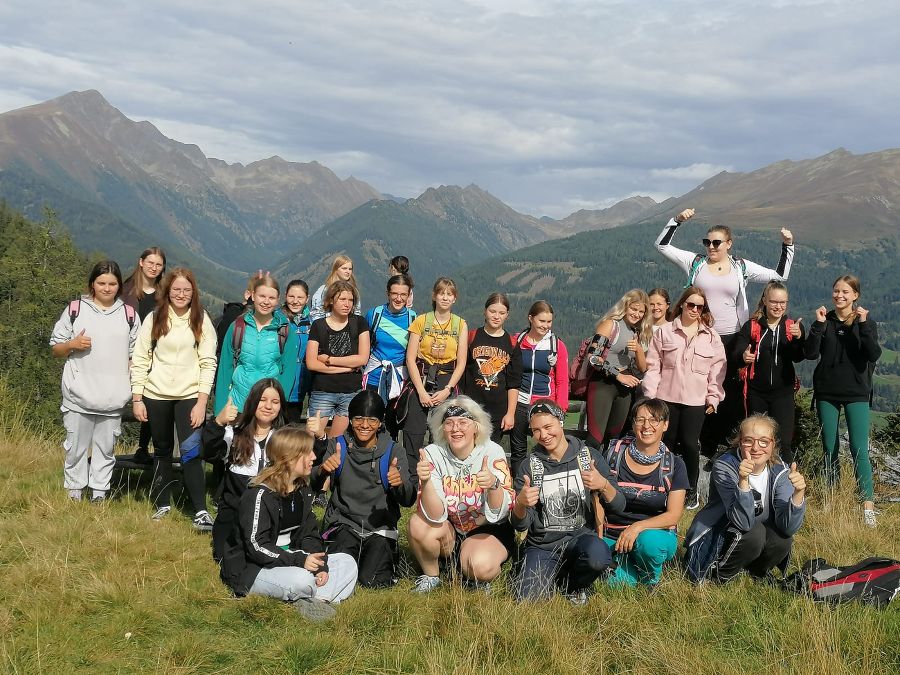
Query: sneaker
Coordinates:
[98,499]
[315,610]
[142,456]
[203,522]
[478,586]
[320,500]
[870,518]
[691,500]
[426,584]
[161,512]
[578,598]
[75,495]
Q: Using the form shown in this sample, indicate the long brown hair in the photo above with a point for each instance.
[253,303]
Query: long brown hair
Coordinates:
[706,317]
[853,283]
[245,425]
[131,283]
[161,313]
[284,448]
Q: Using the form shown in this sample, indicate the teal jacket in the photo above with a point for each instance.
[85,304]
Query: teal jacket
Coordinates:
[260,357]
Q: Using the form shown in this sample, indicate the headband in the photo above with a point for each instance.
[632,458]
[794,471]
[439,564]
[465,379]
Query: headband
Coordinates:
[547,409]
[456,411]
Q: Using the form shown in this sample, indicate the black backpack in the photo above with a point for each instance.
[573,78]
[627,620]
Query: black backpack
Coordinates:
[874,581]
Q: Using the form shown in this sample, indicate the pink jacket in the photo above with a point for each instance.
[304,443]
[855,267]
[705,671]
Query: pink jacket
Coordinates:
[687,373]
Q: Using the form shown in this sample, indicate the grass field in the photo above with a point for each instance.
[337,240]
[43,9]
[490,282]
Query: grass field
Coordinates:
[104,589]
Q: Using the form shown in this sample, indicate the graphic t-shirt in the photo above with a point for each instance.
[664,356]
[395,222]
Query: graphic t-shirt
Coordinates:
[759,484]
[344,342]
[643,503]
[494,367]
[389,341]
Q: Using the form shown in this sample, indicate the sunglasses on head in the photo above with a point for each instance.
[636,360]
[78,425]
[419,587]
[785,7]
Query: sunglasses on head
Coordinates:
[694,305]
[715,243]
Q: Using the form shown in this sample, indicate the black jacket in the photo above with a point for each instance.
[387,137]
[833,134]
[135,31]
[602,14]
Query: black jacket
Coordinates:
[775,355]
[253,543]
[847,355]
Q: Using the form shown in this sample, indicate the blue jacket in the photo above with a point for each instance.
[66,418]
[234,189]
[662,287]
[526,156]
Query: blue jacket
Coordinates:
[260,357]
[730,506]
[302,376]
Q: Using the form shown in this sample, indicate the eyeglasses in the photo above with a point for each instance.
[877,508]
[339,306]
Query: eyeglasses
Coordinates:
[652,421]
[183,292]
[748,442]
[777,303]
[458,423]
[366,421]
[694,305]
[399,296]
[715,243]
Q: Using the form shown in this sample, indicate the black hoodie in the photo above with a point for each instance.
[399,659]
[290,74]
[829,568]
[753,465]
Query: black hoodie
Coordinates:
[846,356]
[358,499]
[775,355]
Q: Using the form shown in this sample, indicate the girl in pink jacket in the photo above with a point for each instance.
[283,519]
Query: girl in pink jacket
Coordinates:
[686,369]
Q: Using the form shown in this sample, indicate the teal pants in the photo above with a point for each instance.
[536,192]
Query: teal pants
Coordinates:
[857,416]
[644,563]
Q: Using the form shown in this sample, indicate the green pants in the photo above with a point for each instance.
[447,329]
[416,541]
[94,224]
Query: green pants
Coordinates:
[857,416]
[644,563]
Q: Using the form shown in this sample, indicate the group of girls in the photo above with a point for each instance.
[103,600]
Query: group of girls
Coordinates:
[584,506]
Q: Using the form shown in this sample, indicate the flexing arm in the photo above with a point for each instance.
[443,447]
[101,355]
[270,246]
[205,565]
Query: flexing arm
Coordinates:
[664,245]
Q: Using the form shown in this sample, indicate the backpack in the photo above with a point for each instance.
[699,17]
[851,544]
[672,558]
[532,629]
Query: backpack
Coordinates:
[75,310]
[874,581]
[384,464]
[580,370]
[455,324]
[237,338]
[616,455]
[537,467]
[554,345]
[512,340]
[376,321]
[746,372]
[700,258]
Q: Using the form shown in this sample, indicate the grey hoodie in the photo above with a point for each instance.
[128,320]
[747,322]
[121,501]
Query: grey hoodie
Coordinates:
[96,380]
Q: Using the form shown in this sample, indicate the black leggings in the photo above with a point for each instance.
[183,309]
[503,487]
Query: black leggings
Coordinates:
[374,555]
[730,411]
[683,436]
[518,439]
[779,406]
[607,409]
[415,425]
[165,418]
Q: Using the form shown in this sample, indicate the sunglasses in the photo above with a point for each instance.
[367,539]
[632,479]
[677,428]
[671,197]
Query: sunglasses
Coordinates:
[694,305]
[715,243]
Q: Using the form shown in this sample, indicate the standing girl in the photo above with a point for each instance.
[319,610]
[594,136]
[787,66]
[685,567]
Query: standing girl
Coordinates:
[686,368]
[769,344]
[96,335]
[400,265]
[545,374]
[845,341]
[494,367]
[618,358]
[172,374]
[435,361]
[260,343]
[140,292]
[659,307]
[337,350]
[341,270]
[297,313]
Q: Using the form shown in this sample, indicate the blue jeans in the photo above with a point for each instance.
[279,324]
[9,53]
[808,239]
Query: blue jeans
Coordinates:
[330,404]
[572,567]
[644,562]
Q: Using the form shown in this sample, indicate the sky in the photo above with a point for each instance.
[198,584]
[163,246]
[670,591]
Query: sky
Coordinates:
[550,106]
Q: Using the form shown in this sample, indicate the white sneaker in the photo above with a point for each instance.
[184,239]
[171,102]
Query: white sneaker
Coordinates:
[75,495]
[426,584]
[203,522]
[161,512]
[869,518]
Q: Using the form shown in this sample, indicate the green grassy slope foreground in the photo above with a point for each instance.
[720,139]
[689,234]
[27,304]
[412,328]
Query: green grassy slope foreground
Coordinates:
[104,589]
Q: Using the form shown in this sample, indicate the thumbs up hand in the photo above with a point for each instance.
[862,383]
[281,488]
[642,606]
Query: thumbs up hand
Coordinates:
[797,480]
[485,479]
[331,464]
[80,342]
[592,479]
[795,329]
[228,414]
[528,495]
[749,357]
[745,468]
[393,474]
[423,468]
[315,425]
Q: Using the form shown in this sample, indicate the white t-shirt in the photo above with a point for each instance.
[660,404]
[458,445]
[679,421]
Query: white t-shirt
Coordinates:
[760,483]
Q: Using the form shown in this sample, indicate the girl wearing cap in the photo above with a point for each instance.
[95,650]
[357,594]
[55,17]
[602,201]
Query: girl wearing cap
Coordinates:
[464,497]
[565,488]
[369,484]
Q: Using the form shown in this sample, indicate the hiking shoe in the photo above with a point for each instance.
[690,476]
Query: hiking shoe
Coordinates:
[161,512]
[476,586]
[691,500]
[75,495]
[320,501]
[578,598]
[98,499]
[314,610]
[203,522]
[426,584]
[870,518]
[142,456]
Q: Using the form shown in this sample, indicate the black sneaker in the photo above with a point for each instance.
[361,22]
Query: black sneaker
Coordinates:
[320,500]
[691,500]
[142,456]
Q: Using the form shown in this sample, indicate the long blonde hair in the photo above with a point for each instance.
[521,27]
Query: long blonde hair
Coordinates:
[284,448]
[617,313]
[340,261]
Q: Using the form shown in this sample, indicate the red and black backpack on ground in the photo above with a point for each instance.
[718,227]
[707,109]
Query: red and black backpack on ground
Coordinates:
[874,581]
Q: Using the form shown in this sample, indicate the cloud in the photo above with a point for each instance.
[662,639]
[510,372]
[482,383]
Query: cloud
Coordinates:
[546,104]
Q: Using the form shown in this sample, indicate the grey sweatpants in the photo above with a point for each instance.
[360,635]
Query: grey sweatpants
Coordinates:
[85,431]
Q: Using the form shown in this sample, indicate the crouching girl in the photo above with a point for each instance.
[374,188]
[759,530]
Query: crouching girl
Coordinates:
[369,484]
[756,505]
[563,486]
[276,549]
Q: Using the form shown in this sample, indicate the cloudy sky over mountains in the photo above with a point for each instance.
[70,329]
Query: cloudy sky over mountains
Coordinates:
[551,106]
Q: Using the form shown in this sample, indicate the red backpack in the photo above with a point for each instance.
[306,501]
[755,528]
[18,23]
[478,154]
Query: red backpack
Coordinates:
[580,370]
[746,373]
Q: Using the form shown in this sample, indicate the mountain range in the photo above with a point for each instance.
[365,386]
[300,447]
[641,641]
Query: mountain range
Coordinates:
[120,185]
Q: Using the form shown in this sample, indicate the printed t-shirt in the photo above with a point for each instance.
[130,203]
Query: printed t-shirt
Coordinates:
[344,342]
[440,345]
[494,366]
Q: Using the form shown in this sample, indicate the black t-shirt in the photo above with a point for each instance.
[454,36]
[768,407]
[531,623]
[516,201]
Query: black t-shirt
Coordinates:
[146,304]
[494,367]
[643,504]
[344,342]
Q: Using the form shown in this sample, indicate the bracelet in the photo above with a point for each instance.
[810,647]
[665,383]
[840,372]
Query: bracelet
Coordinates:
[496,484]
